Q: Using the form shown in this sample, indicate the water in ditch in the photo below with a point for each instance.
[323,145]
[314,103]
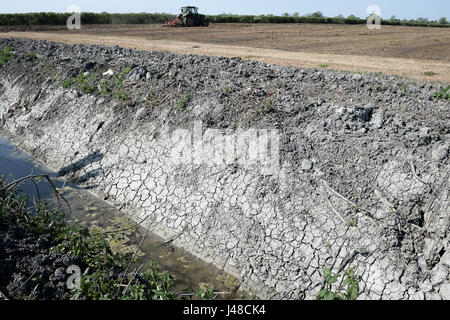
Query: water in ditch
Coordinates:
[90,211]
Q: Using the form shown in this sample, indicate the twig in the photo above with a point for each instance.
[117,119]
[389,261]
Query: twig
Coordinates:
[31,177]
[37,189]
[187,294]
[34,290]
[413,169]
[139,246]
[131,280]
[340,249]
[347,261]
[389,205]
[346,200]
[3,296]
[386,201]
[335,211]
[165,98]
[29,278]
[173,239]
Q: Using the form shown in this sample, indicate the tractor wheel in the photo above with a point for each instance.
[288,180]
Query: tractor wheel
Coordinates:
[189,21]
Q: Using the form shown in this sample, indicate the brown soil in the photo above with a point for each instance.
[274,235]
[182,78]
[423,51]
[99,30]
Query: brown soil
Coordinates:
[408,51]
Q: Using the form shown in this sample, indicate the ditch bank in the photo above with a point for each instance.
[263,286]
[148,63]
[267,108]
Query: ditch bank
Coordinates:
[271,173]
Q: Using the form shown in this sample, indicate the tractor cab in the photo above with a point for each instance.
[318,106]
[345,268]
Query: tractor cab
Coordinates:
[193,10]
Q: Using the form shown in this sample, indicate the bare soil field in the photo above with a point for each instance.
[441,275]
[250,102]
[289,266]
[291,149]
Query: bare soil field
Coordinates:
[417,52]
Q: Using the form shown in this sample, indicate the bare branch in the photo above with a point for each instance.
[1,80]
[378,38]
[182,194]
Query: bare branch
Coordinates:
[31,177]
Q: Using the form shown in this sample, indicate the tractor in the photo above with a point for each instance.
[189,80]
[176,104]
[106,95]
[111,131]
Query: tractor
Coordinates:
[189,17]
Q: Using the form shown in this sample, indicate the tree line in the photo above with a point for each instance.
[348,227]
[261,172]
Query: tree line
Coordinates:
[51,18]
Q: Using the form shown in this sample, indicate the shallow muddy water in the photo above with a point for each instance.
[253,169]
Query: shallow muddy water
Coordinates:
[90,211]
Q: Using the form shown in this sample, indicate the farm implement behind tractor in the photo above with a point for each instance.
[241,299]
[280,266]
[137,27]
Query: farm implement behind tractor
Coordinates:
[189,17]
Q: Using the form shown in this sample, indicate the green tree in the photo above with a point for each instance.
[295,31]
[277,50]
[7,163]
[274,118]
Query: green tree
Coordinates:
[317,14]
[422,20]
[443,20]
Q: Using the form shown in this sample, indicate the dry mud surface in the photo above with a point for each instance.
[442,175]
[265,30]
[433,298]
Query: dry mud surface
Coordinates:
[350,170]
[407,51]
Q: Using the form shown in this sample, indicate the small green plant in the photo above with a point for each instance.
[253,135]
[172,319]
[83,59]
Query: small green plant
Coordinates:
[106,89]
[6,55]
[87,83]
[206,293]
[183,102]
[115,84]
[68,83]
[121,95]
[32,56]
[444,93]
[125,71]
[323,65]
[403,89]
[379,88]
[352,223]
[430,73]
[50,68]
[347,289]
[267,106]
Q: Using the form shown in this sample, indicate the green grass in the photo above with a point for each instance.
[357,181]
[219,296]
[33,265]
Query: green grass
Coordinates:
[267,106]
[68,83]
[121,95]
[352,223]
[430,73]
[183,102]
[443,93]
[110,86]
[379,88]
[323,65]
[403,88]
[6,55]
[32,56]
[87,83]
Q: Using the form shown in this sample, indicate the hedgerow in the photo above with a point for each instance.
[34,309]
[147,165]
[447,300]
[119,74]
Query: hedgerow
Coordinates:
[52,19]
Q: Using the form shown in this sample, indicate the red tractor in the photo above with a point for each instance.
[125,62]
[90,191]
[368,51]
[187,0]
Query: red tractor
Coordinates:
[189,17]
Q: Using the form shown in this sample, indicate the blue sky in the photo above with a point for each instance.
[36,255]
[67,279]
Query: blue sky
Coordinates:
[432,9]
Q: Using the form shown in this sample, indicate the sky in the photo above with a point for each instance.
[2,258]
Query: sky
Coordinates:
[402,9]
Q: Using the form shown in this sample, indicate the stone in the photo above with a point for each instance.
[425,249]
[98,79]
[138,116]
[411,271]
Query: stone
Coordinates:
[445,291]
[440,153]
[307,165]
[110,72]
[445,260]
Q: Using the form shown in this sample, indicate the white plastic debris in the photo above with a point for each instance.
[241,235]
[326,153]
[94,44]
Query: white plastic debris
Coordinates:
[422,263]
[110,72]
